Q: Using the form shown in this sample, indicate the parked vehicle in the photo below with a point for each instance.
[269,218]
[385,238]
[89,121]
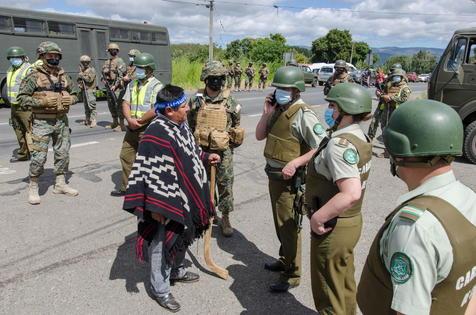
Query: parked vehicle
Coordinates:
[423,77]
[309,76]
[454,82]
[325,73]
[412,77]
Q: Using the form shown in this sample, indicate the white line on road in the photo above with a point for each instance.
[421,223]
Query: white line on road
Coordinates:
[77,145]
[78,116]
[3,124]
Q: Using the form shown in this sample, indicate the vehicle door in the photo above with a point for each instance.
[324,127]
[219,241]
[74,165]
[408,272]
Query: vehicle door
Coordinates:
[93,42]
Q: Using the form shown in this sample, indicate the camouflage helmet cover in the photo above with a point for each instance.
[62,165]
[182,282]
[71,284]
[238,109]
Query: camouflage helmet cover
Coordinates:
[42,46]
[112,46]
[15,51]
[213,69]
[340,64]
[85,58]
[398,71]
[52,48]
[134,52]
[396,66]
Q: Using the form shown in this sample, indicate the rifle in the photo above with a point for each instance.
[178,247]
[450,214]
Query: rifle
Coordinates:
[297,187]
[207,250]
[85,93]
[109,91]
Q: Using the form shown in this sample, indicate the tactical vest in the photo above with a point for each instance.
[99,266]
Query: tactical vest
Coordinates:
[336,80]
[142,97]
[394,90]
[46,89]
[451,296]
[319,190]
[88,72]
[14,78]
[111,65]
[281,144]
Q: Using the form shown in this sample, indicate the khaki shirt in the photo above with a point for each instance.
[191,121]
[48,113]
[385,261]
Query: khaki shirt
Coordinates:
[302,128]
[425,243]
[331,163]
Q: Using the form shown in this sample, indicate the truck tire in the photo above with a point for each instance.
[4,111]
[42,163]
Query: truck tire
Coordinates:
[469,144]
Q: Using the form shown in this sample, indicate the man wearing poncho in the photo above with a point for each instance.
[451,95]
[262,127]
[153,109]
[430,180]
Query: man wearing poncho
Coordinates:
[168,192]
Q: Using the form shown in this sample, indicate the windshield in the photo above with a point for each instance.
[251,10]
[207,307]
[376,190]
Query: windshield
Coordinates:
[328,70]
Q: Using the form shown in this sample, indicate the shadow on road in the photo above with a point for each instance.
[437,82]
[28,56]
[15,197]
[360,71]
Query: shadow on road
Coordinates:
[116,178]
[251,281]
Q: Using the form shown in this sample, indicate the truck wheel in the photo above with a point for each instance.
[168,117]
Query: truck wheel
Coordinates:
[321,83]
[469,144]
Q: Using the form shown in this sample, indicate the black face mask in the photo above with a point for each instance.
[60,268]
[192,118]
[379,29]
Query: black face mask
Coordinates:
[113,52]
[215,83]
[53,62]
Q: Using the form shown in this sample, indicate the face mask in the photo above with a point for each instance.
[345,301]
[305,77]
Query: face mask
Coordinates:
[283,97]
[396,79]
[140,73]
[215,83]
[16,62]
[328,117]
[113,52]
[131,59]
[53,62]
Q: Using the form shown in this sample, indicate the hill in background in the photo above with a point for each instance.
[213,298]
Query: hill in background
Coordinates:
[387,52]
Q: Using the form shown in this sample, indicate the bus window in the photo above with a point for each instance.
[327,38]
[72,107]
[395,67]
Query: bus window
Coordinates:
[456,57]
[84,37]
[119,33]
[5,24]
[101,44]
[141,36]
[62,29]
[22,25]
[160,37]
[472,51]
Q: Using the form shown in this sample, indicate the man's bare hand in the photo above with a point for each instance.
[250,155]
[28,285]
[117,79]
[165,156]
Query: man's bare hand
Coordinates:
[289,170]
[269,106]
[133,123]
[214,158]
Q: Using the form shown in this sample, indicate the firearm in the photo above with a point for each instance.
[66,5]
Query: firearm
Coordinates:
[327,87]
[85,93]
[297,187]
[109,90]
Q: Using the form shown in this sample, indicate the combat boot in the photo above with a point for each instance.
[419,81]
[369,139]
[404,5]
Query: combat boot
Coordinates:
[93,123]
[114,124]
[62,188]
[226,228]
[33,196]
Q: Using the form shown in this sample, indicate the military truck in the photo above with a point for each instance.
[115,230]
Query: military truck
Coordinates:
[453,82]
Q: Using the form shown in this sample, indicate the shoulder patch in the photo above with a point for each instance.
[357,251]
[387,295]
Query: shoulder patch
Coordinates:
[401,268]
[318,129]
[410,213]
[343,143]
[351,156]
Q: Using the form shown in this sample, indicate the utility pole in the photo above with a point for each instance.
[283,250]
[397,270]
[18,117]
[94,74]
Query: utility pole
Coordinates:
[351,53]
[210,32]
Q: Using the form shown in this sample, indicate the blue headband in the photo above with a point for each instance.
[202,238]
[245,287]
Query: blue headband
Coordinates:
[173,104]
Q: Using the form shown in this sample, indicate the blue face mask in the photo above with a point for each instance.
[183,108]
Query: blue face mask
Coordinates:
[140,73]
[396,79]
[16,62]
[283,97]
[328,117]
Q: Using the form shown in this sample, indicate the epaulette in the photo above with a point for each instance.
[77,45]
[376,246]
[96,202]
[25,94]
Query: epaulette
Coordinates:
[344,143]
[410,213]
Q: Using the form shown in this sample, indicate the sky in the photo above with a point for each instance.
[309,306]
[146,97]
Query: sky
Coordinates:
[380,23]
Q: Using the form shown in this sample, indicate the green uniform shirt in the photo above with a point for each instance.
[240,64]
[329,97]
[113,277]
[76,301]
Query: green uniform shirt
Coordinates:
[303,128]
[340,158]
[424,242]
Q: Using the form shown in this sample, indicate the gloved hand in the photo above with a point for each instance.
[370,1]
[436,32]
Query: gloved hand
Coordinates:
[48,101]
[67,100]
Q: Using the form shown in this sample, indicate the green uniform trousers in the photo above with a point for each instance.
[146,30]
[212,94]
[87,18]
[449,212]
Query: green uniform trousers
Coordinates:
[115,109]
[56,129]
[248,82]
[262,83]
[130,144]
[224,181]
[229,81]
[21,123]
[237,82]
[332,267]
[89,100]
[287,230]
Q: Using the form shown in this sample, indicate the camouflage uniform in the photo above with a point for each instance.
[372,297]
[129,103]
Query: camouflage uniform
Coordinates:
[237,76]
[229,77]
[263,76]
[113,71]
[336,79]
[87,83]
[250,73]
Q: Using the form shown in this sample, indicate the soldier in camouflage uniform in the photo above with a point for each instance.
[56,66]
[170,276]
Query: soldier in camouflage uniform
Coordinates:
[340,76]
[49,92]
[263,76]
[214,118]
[113,71]
[237,76]
[87,84]
[131,69]
[250,74]
[229,75]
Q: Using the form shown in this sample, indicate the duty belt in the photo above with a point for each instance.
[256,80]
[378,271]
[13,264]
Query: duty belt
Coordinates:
[274,173]
[48,116]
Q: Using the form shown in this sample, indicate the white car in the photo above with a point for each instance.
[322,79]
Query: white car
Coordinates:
[424,77]
[325,72]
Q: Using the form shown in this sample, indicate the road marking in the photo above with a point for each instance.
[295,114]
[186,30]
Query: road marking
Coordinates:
[6,171]
[254,115]
[77,145]
[78,116]
[3,124]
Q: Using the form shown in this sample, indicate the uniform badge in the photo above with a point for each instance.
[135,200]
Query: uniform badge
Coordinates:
[400,268]
[318,129]
[351,156]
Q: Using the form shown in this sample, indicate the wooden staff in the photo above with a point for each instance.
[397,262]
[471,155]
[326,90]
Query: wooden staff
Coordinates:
[207,249]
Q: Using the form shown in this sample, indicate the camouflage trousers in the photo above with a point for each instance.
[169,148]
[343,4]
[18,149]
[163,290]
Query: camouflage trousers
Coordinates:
[237,79]
[115,109]
[89,100]
[229,81]
[262,83]
[43,131]
[224,182]
[248,82]
[375,122]
[21,123]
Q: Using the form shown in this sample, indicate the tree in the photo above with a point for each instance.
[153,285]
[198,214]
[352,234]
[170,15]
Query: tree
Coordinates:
[423,62]
[361,50]
[405,61]
[268,49]
[337,44]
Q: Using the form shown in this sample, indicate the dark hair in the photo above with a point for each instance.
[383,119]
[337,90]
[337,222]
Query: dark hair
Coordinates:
[167,94]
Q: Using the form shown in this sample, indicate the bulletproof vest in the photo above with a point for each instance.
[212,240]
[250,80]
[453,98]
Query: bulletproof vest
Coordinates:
[111,67]
[237,71]
[340,79]
[51,86]
[89,72]
[451,296]
[393,90]
[263,72]
[281,144]
[319,190]
[212,115]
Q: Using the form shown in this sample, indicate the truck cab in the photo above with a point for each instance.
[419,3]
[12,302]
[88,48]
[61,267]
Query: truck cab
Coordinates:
[453,82]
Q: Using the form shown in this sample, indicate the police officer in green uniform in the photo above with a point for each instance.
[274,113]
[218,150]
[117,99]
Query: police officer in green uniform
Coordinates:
[138,110]
[335,186]
[423,260]
[20,116]
[292,132]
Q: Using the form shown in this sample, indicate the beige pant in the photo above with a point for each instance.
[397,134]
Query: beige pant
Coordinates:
[22,125]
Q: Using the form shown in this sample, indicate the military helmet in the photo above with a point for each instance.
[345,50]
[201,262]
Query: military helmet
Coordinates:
[263,64]
[213,69]
[112,46]
[85,58]
[396,66]
[41,47]
[352,98]
[133,52]
[340,64]
[424,128]
[397,71]
[15,51]
[52,48]
[289,76]
[143,60]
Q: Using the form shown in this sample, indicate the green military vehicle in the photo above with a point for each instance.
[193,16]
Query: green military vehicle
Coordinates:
[453,82]
[310,77]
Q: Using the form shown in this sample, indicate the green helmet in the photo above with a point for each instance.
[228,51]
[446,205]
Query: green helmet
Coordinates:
[213,69]
[289,76]
[352,98]
[396,66]
[340,64]
[133,52]
[424,128]
[53,48]
[399,72]
[143,60]
[15,51]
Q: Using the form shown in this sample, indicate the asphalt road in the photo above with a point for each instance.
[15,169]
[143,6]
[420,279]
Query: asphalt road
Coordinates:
[76,255]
